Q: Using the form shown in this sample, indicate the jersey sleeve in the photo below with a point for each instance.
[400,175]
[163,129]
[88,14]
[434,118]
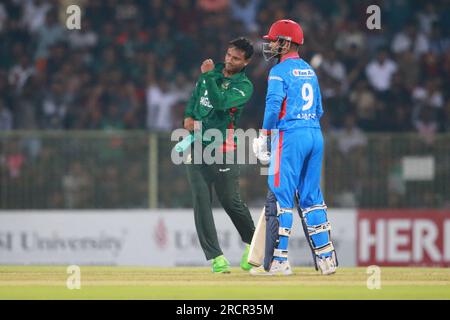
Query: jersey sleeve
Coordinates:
[234,97]
[276,92]
[318,95]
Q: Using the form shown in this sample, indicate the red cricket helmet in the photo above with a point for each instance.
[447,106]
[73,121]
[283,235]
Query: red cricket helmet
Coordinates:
[285,29]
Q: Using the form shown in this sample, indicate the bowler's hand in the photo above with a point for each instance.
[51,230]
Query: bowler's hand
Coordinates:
[260,148]
[189,124]
[207,65]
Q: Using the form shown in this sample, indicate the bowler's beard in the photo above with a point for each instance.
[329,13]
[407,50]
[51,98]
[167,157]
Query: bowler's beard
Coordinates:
[232,70]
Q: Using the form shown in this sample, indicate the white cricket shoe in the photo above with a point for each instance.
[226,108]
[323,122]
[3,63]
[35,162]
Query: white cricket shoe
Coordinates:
[280,268]
[277,268]
[327,265]
[259,271]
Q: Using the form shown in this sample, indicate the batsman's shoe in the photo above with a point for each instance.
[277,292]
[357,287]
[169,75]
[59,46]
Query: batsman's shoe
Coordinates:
[327,265]
[220,265]
[244,260]
[259,271]
[280,268]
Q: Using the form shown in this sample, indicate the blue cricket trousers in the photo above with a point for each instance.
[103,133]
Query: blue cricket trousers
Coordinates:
[296,165]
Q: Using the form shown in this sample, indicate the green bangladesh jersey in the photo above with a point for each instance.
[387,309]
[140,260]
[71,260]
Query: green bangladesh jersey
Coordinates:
[218,101]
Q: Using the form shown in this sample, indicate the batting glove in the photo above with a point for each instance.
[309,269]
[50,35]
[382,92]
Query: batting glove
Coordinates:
[260,148]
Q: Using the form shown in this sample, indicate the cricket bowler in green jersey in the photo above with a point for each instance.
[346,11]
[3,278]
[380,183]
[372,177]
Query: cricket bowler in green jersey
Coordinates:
[218,101]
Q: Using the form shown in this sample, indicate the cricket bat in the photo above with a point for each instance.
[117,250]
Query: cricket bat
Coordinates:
[258,245]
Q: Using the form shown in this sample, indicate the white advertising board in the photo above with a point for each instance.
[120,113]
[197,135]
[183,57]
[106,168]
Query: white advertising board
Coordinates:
[162,237]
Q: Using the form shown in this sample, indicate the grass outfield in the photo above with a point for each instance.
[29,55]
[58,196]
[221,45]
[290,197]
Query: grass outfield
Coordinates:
[26,282]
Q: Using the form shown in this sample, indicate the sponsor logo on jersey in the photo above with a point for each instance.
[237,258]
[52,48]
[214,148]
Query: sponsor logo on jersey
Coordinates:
[204,101]
[303,73]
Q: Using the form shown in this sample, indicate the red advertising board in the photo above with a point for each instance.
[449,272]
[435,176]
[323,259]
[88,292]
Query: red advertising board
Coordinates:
[403,238]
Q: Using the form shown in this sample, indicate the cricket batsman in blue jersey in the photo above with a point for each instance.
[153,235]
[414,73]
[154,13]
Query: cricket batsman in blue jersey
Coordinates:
[291,120]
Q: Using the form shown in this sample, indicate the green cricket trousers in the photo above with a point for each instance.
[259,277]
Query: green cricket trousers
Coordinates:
[225,179]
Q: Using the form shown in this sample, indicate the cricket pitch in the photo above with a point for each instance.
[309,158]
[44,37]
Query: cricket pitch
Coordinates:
[191,283]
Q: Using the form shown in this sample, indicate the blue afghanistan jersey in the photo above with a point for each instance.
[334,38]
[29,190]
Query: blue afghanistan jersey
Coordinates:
[293,96]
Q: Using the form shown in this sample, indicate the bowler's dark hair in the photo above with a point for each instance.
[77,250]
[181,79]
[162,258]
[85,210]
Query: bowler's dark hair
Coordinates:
[243,44]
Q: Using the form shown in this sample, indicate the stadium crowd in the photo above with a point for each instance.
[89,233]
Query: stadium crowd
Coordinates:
[134,63]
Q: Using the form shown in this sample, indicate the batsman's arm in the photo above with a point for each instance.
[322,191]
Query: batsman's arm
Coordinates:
[276,92]
[319,99]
